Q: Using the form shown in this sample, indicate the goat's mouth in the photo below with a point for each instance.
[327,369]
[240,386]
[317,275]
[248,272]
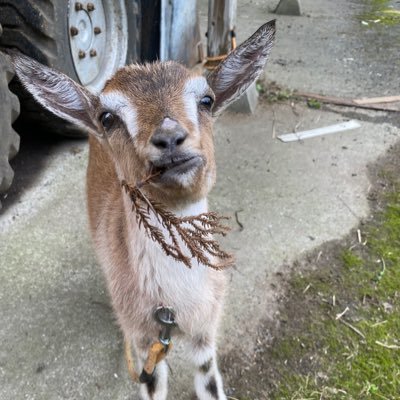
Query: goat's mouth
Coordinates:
[176,168]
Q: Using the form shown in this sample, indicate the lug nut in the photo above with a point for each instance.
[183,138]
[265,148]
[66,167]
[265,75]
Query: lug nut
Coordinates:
[78,6]
[97,30]
[93,53]
[81,54]
[73,31]
[90,7]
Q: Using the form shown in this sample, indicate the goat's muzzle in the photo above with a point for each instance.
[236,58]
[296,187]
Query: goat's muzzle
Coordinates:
[176,167]
[169,136]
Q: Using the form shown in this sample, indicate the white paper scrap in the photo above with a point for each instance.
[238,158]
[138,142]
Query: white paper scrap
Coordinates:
[343,126]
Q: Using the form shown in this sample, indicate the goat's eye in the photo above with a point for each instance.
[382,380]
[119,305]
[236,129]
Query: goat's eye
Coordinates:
[107,120]
[207,102]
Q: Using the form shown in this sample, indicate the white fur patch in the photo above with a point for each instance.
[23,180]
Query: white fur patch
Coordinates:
[202,355]
[197,208]
[117,103]
[186,179]
[195,89]
[201,383]
[168,123]
[163,280]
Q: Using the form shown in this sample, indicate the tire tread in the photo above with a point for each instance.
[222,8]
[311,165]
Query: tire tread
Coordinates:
[9,111]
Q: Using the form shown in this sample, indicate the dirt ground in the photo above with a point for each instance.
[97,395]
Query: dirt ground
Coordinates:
[262,373]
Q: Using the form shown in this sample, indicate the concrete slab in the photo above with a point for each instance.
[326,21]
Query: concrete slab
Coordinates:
[58,337]
[327,49]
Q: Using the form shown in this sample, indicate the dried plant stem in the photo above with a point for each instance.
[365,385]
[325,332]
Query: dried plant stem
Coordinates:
[194,232]
[353,328]
[388,346]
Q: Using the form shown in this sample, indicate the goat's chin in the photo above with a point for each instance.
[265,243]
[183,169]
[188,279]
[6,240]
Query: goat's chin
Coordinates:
[181,174]
[184,180]
[176,189]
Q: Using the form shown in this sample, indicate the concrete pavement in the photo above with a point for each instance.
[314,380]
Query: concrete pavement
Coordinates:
[58,337]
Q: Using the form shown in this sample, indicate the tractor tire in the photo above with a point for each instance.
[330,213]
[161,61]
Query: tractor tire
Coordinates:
[9,111]
[88,41]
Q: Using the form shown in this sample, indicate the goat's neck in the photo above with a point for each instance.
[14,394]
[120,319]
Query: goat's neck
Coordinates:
[195,208]
[153,262]
[183,210]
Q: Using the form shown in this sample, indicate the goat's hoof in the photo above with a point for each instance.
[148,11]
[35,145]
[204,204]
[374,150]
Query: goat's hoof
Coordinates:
[145,377]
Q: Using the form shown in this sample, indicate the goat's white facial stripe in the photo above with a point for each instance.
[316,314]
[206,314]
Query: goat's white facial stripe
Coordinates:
[117,103]
[169,123]
[197,85]
[195,89]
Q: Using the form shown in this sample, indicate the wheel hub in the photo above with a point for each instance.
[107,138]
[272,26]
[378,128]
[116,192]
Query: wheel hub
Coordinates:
[98,40]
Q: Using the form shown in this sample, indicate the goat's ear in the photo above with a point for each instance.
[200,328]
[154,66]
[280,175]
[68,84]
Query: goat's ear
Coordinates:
[242,67]
[57,92]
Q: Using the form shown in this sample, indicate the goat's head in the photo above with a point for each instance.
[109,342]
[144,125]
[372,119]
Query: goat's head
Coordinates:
[156,118]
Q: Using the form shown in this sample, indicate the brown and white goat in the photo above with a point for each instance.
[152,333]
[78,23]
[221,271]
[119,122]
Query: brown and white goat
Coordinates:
[155,116]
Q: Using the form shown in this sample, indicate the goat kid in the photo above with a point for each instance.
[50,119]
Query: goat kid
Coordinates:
[154,117]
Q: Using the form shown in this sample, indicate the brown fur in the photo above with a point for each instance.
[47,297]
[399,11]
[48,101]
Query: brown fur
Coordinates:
[156,91]
[139,275]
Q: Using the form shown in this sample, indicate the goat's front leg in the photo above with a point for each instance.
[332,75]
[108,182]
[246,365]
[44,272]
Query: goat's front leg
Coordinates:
[207,381]
[157,386]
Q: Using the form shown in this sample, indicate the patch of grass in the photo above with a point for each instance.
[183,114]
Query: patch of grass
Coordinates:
[350,260]
[378,13]
[355,355]
[312,103]
[272,92]
[260,87]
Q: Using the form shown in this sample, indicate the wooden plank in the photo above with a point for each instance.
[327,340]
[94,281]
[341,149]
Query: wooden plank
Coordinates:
[221,22]
[180,32]
[377,100]
[347,102]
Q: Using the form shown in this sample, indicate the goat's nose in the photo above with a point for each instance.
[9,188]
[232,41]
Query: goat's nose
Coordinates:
[168,140]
